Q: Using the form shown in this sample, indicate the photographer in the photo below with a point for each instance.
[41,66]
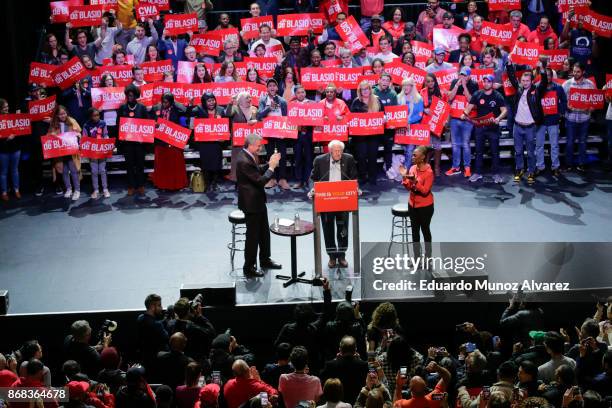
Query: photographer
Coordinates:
[151,333]
[198,329]
[77,348]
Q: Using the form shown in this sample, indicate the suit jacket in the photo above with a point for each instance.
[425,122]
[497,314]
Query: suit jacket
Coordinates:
[320,169]
[167,50]
[352,371]
[251,179]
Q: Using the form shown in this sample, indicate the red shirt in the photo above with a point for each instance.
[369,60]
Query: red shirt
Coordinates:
[422,402]
[26,382]
[338,107]
[538,37]
[7,378]
[420,191]
[396,33]
[523,30]
[371,7]
[476,44]
[237,391]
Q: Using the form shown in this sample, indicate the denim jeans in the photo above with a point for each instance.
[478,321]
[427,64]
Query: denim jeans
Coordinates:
[576,130]
[303,156]
[481,134]
[70,172]
[408,150]
[9,163]
[553,137]
[461,131]
[98,168]
[524,137]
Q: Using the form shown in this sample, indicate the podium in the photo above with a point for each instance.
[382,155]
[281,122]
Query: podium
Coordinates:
[335,196]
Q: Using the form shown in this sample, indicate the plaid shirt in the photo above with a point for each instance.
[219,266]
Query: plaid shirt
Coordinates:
[574,115]
[417,360]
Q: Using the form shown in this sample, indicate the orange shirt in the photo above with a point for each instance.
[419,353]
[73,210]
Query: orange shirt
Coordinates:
[338,107]
[523,30]
[422,402]
[420,196]
[538,37]
[396,32]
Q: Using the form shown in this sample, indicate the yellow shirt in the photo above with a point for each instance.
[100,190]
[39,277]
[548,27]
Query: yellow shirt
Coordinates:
[126,13]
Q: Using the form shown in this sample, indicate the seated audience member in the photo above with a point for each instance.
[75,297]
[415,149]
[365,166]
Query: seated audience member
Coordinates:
[272,372]
[299,386]
[209,397]
[151,334]
[196,327]
[187,394]
[245,385]
[136,393]
[33,378]
[348,368]
[77,348]
[506,375]
[111,374]
[170,365]
[418,388]
[333,393]
[554,343]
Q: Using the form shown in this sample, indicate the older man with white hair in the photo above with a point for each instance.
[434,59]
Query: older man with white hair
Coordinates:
[335,166]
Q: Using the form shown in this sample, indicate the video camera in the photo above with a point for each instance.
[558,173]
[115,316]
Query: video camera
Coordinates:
[107,328]
[198,300]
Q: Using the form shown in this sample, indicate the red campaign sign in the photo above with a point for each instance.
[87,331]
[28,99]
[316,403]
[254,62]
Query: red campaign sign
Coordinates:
[67,74]
[400,71]
[177,90]
[278,127]
[241,130]
[499,34]
[209,43]
[331,63]
[477,74]
[421,62]
[447,38]
[483,121]
[95,76]
[598,23]
[171,133]
[86,16]
[371,79]
[145,10]
[352,34]
[15,124]
[334,196]
[162,5]
[446,77]
[556,58]
[121,73]
[147,94]
[609,85]
[314,78]
[107,98]
[422,49]
[564,5]
[439,112]
[107,4]
[396,116]
[177,24]
[95,148]
[366,124]
[458,106]
[184,71]
[331,130]
[305,114]
[211,129]
[549,103]
[228,33]
[154,70]
[60,12]
[582,99]
[64,144]
[413,135]
[225,91]
[509,89]
[525,53]
[195,92]
[41,109]
[40,74]
[504,5]
[136,130]
[250,26]
[265,66]
[299,24]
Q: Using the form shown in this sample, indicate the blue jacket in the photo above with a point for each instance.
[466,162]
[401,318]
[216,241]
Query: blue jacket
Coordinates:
[167,50]
[417,113]
[551,120]
[264,110]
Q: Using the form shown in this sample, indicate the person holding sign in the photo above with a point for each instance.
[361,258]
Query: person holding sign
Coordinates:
[240,110]
[9,159]
[554,104]
[71,165]
[528,115]
[303,146]
[251,178]
[490,105]
[428,92]
[461,91]
[410,96]
[419,181]
[335,166]
[96,128]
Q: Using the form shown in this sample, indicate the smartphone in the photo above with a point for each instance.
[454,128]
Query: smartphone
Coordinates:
[486,392]
[263,397]
[495,340]
[216,377]
[371,356]
[576,391]
[201,381]
[441,351]
[470,347]
[437,396]
[403,372]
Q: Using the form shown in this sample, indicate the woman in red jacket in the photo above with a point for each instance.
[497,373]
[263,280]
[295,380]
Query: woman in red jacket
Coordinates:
[419,181]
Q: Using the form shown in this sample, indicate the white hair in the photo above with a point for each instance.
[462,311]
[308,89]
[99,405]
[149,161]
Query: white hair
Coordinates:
[334,143]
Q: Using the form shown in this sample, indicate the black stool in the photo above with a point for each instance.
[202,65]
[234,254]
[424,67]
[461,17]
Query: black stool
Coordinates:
[401,221]
[238,221]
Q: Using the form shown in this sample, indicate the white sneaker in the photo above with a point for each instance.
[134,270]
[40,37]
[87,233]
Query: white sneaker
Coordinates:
[68,193]
[497,179]
[106,193]
[76,195]
[94,195]
[475,177]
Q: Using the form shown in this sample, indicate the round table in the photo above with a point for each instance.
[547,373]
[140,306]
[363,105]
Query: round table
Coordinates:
[305,228]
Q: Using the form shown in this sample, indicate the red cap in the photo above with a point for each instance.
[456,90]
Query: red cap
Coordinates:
[209,394]
[76,389]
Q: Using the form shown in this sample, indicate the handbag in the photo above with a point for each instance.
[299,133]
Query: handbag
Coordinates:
[197,182]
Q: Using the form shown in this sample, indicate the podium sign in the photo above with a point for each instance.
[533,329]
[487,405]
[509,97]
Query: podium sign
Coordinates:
[334,196]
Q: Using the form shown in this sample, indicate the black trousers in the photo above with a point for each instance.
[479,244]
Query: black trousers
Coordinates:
[340,221]
[388,146]
[420,219]
[257,236]
[134,159]
[367,153]
[281,146]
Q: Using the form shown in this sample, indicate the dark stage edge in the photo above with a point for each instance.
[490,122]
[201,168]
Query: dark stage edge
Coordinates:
[56,256]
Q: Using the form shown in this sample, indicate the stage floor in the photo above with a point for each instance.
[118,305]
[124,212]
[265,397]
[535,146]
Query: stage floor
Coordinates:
[109,254]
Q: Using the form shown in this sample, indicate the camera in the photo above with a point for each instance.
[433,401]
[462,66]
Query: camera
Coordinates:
[196,301]
[461,326]
[107,328]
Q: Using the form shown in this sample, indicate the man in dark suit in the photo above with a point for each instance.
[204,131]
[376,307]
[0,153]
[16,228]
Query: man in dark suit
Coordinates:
[348,368]
[170,365]
[251,179]
[335,166]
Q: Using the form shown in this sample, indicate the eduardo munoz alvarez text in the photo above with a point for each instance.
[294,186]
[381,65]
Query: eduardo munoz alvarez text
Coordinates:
[462,285]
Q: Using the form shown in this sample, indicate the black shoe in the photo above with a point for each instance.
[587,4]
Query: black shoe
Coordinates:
[556,172]
[580,169]
[270,264]
[252,272]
